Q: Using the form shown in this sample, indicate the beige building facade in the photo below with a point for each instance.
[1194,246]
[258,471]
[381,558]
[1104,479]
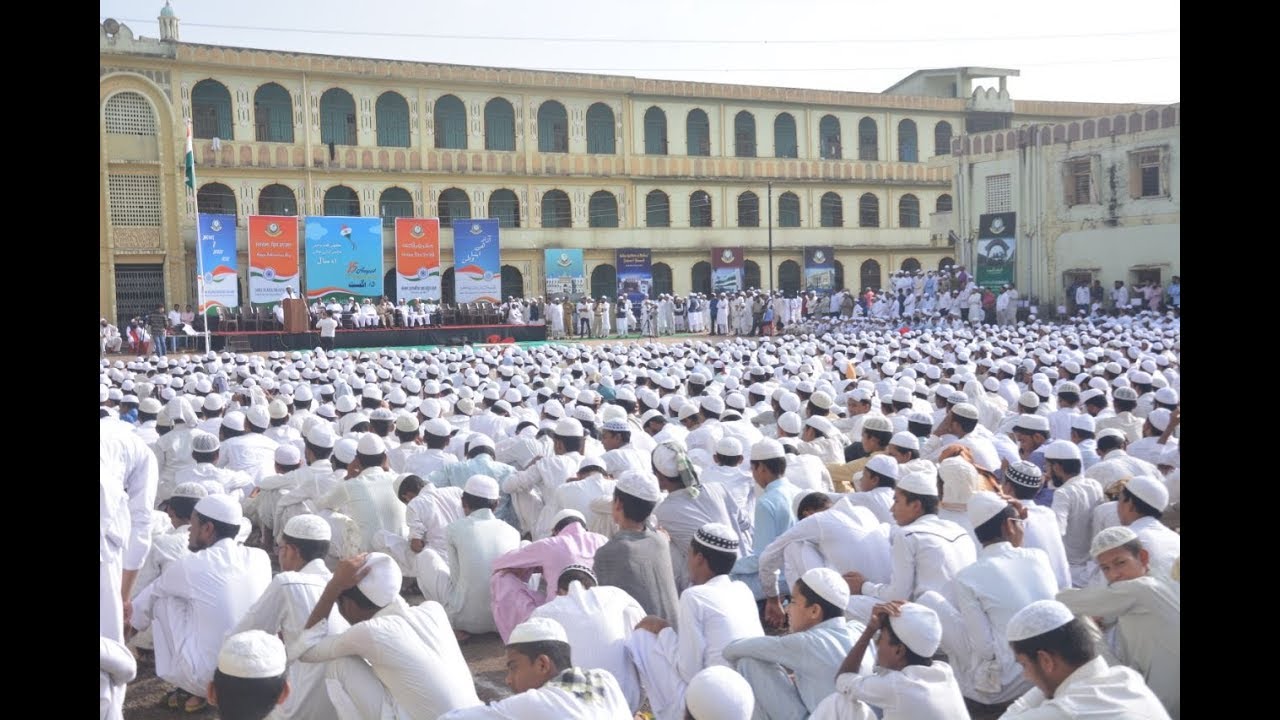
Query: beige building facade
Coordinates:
[563,160]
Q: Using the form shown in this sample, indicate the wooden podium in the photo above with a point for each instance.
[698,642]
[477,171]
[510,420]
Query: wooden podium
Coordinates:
[296,318]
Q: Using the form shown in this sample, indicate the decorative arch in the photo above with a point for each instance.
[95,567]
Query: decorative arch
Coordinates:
[600,130]
[217,199]
[557,212]
[210,110]
[655,131]
[662,283]
[699,209]
[277,200]
[832,210]
[499,125]
[788,210]
[784,136]
[504,206]
[604,281]
[700,277]
[698,133]
[553,128]
[391,115]
[869,275]
[908,147]
[748,210]
[453,204]
[868,140]
[789,277]
[908,211]
[830,144]
[341,201]
[602,210]
[744,134]
[512,282]
[337,117]
[657,209]
[272,114]
[868,210]
[394,202]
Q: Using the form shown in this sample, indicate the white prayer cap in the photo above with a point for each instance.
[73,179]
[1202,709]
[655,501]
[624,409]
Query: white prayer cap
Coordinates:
[1110,539]
[884,465]
[383,414]
[767,449]
[790,423]
[308,527]
[151,406]
[190,490]
[204,442]
[617,426]
[1140,378]
[901,395]
[568,427]
[406,423]
[370,444]
[479,440]
[1036,619]
[382,582]
[570,513]
[482,486]
[821,399]
[821,424]
[1068,387]
[1159,419]
[719,693]
[712,403]
[1126,393]
[919,628]
[639,485]
[1092,393]
[828,584]
[1061,450]
[1032,423]
[345,450]
[687,411]
[277,410]
[302,394]
[906,440]
[1025,474]
[538,630]
[257,415]
[1083,422]
[729,447]
[438,427]
[582,413]
[877,423]
[1042,387]
[966,410]
[233,420]
[372,392]
[789,402]
[919,482]
[920,418]
[983,506]
[652,415]
[1029,399]
[1167,395]
[717,536]
[1150,491]
[346,404]
[222,508]
[960,480]
[326,410]
[252,654]
[321,435]
[287,454]
[591,461]
[115,394]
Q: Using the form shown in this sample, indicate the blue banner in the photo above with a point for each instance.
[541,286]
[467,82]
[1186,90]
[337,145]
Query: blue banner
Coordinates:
[820,269]
[344,257]
[566,273]
[635,275]
[477,261]
[217,260]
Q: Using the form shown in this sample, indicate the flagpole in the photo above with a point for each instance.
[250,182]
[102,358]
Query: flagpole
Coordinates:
[195,202]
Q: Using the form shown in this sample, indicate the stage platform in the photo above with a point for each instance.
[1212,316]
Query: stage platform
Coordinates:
[267,340]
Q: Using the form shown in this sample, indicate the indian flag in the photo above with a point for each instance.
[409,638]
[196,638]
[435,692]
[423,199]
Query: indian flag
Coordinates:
[191,161]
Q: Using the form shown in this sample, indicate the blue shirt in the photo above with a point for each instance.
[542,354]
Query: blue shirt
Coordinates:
[772,518]
[130,417]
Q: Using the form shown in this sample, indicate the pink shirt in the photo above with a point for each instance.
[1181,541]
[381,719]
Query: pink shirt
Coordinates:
[513,600]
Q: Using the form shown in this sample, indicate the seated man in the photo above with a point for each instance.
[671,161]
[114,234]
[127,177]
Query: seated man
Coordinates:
[109,337]
[250,680]
[1056,651]
[548,686]
[636,558]
[718,693]
[378,666]
[714,611]
[169,545]
[818,642]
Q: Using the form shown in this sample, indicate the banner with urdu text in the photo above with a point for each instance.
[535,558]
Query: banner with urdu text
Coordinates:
[477,261]
[418,259]
[217,261]
[727,270]
[635,275]
[344,258]
[566,273]
[273,258]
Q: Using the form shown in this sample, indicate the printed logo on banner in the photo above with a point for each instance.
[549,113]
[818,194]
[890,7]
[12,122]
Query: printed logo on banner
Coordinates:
[217,262]
[819,257]
[417,259]
[273,258]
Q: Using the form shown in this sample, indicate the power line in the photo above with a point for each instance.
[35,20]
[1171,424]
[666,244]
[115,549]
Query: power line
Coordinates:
[845,69]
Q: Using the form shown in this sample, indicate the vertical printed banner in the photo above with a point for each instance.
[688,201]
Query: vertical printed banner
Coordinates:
[344,257]
[726,269]
[273,258]
[997,240]
[566,273]
[635,275]
[820,269]
[418,259]
[477,261]
[218,261]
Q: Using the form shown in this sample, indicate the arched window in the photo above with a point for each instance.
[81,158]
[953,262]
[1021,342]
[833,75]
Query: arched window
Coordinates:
[342,201]
[272,114]
[447,285]
[829,136]
[748,210]
[451,123]
[389,285]
[505,208]
[453,204]
[600,130]
[553,128]
[908,148]
[602,210]
[604,281]
[788,210]
[910,265]
[839,278]
[942,138]
[499,125]
[556,210]
[832,210]
[699,209]
[210,110]
[784,136]
[789,277]
[216,199]
[744,134]
[512,282]
[751,275]
[868,140]
[277,200]
[657,209]
[655,131]
[868,211]
[943,204]
[870,275]
[128,113]
[662,279]
[698,133]
[908,212]
[391,114]
[946,263]
[395,202]
[700,277]
[337,117]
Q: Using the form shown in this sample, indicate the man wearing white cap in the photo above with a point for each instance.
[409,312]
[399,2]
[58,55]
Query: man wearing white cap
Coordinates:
[877,432]
[1142,504]
[281,430]
[1146,609]
[260,507]
[436,434]
[285,606]
[818,641]
[1125,400]
[312,482]
[168,545]
[244,446]
[1073,502]
[714,611]
[1057,652]
[369,494]
[461,584]
[616,438]
[727,471]
[1082,432]
[638,559]
[408,434]
[927,551]
[570,544]
[718,693]
[173,450]
[597,619]
[908,684]
[1116,461]
[200,597]
[1005,579]
[250,682]
[773,515]
[1022,480]
[1154,438]
[875,485]
[548,686]
[394,660]
[206,451]
[528,487]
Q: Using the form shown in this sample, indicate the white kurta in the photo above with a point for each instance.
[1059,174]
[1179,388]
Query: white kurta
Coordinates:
[253,453]
[927,554]
[1094,690]
[1073,504]
[554,702]
[598,622]
[528,489]
[461,583]
[1162,544]
[370,499]
[848,538]
[913,693]
[127,479]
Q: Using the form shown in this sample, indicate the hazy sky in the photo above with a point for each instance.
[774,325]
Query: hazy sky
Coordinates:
[1091,50]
